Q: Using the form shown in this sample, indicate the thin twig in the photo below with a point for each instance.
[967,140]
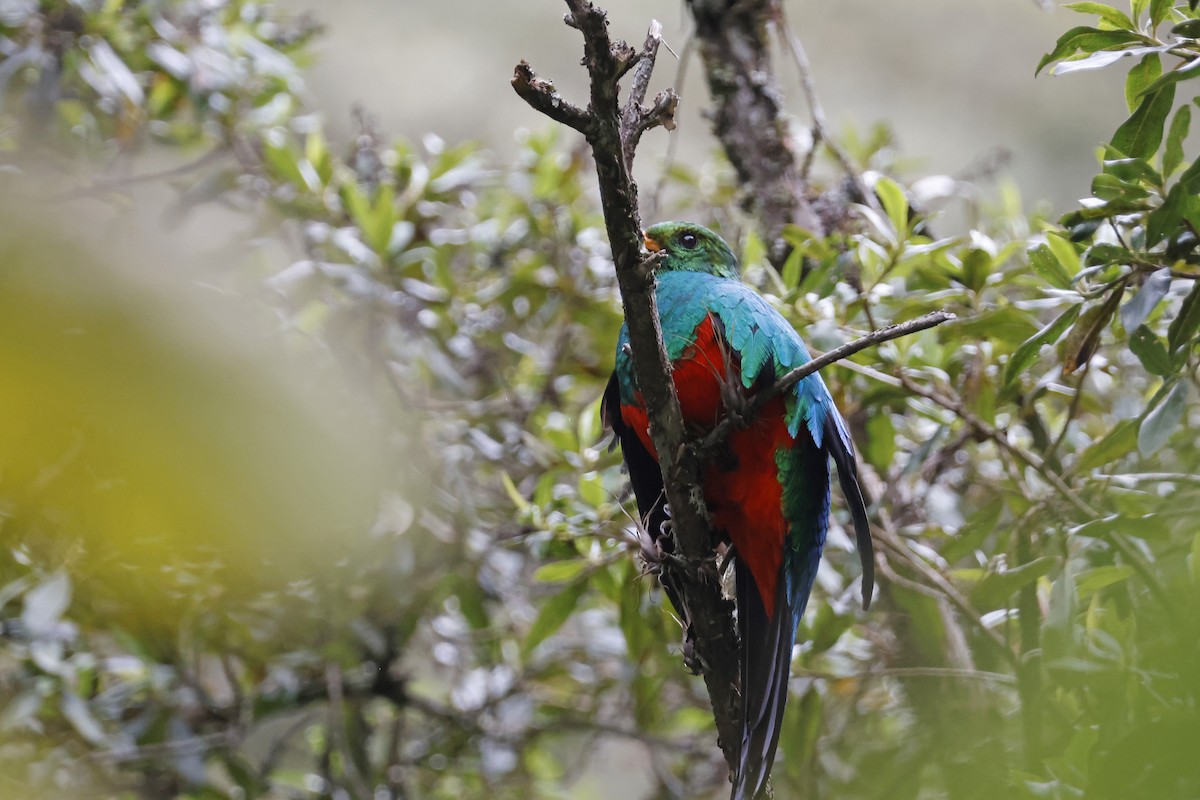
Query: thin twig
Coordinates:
[787,381]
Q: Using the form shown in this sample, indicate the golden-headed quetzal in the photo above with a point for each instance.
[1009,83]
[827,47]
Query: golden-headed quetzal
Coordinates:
[768,489]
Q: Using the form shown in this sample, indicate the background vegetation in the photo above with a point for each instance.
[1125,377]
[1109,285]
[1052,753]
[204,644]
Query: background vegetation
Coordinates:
[338,519]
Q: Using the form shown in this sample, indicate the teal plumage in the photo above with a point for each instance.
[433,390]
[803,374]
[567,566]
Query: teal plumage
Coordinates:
[755,331]
[768,491]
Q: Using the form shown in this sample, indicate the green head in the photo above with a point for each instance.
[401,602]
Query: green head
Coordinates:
[692,248]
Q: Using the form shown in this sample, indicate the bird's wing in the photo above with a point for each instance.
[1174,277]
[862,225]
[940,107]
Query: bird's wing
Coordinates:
[841,447]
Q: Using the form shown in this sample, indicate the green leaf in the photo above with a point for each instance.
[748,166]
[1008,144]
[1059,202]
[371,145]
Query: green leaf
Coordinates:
[1006,324]
[1064,250]
[1191,175]
[1194,557]
[971,536]
[880,447]
[1140,135]
[554,613]
[1031,348]
[1162,420]
[1112,16]
[894,203]
[792,269]
[638,635]
[754,250]
[1105,255]
[1188,29]
[1166,218]
[1082,225]
[1152,291]
[1081,342]
[1087,40]
[1045,264]
[1159,9]
[1151,352]
[1118,442]
[1093,580]
[1058,632]
[1184,326]
[1147,526]
[1190,70]
[561,571]
[976,265]
[827,627]
[1110,187]
[513,494]
[1144,73]
[316,152]
[995,588]
[283,161]
[1132,170]
[806,734]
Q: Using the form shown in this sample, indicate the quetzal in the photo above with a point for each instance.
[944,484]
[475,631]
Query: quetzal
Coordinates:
[768,490]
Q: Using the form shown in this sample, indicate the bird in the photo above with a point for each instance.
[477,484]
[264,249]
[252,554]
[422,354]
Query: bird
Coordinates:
[767,489]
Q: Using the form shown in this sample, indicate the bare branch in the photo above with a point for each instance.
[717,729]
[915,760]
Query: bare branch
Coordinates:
[543,97]
[636,120]
[645,68]
[661,113]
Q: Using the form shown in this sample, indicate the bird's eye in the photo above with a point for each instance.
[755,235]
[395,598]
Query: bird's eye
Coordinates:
[688,240]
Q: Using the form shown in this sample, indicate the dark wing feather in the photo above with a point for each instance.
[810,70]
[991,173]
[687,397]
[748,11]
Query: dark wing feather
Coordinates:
[644,474]
[838,442]
[646,479]
[765,668]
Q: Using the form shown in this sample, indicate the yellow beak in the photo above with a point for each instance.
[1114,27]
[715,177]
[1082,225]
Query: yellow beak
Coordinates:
[651,245]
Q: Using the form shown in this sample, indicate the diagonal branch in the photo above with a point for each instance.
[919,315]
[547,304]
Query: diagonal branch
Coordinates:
[545,98]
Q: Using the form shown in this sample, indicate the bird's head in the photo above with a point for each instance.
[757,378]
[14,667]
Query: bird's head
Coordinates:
[692,248]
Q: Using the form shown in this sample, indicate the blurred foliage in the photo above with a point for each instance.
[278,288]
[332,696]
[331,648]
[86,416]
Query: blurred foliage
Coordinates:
[353,531]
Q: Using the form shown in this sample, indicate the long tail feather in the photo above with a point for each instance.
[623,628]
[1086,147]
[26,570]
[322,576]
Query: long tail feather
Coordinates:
[765,667]
[841,447]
